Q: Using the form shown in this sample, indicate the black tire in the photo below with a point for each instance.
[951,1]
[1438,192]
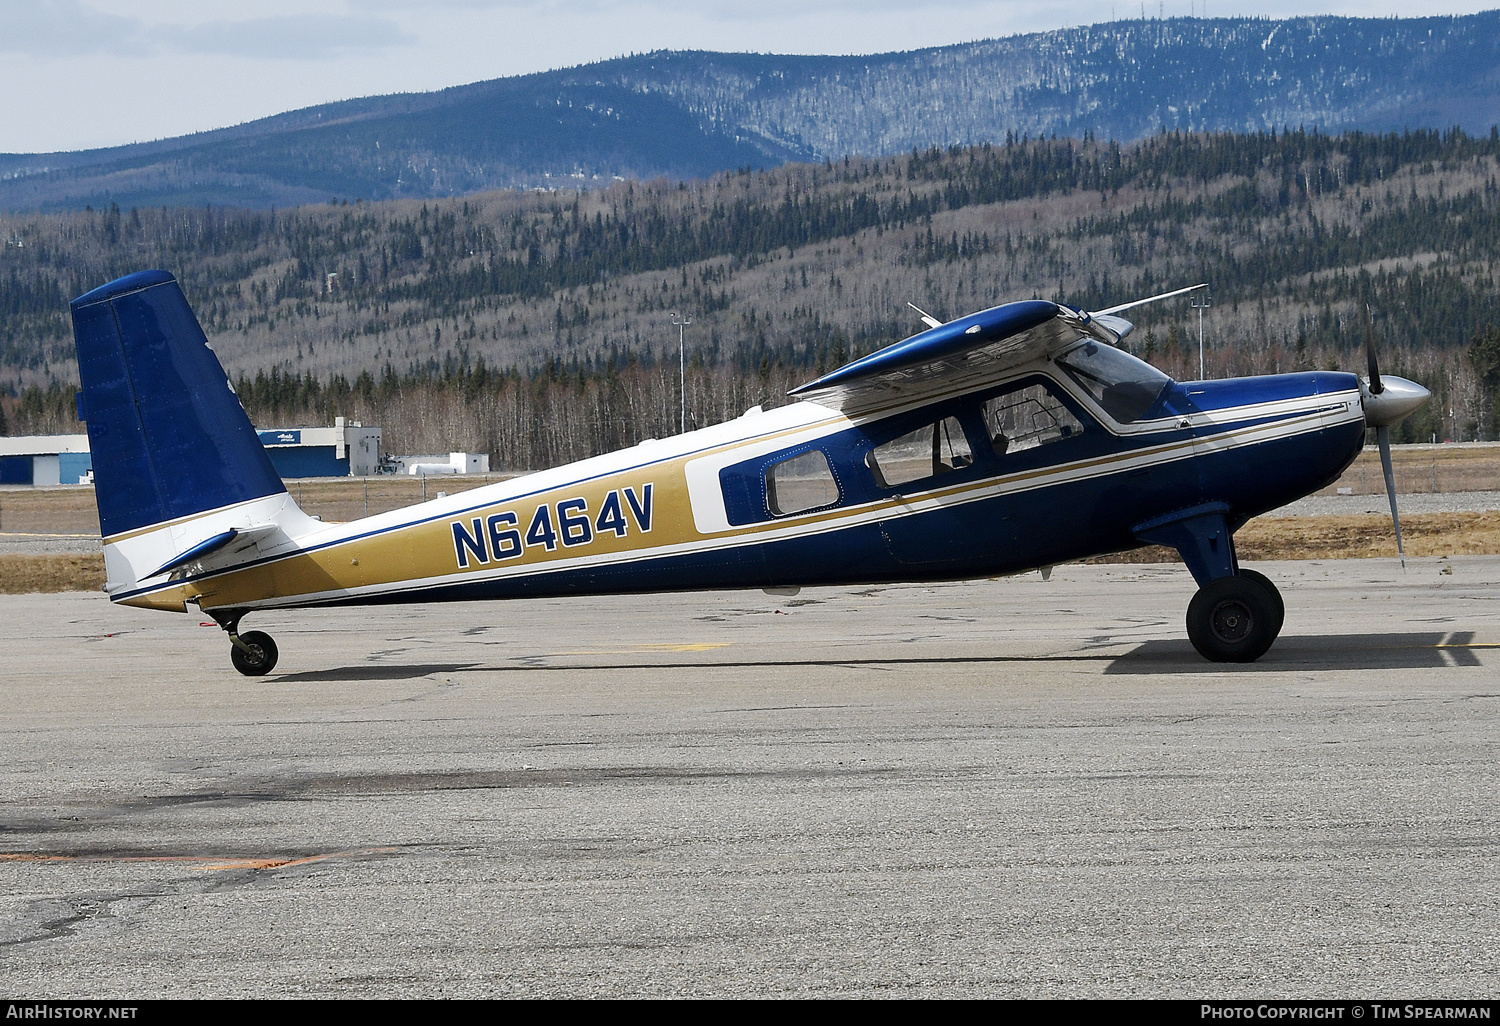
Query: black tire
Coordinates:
[261,659]
[1232,620]
[1276,599]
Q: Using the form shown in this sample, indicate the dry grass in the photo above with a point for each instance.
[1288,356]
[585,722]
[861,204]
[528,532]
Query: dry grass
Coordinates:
[1365,536]
[27,575]
[1368,535]
[68,510]
[59,511]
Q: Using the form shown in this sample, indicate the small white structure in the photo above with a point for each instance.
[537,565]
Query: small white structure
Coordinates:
[470,462]
[454,463]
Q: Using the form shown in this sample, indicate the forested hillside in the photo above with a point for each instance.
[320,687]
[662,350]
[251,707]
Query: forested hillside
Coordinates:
[535,325]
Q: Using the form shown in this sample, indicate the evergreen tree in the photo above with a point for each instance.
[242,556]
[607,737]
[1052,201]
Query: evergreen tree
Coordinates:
[1484,356]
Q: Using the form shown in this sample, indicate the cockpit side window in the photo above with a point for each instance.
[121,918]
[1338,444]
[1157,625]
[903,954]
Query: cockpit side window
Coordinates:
[929,451]
[1027,418]
[1126,388]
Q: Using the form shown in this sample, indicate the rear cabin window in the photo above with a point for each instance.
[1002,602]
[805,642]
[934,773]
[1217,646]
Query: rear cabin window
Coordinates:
[927,452]
[801,483]
[1027,418]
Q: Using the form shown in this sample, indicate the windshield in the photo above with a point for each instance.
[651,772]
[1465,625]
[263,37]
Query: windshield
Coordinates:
[1124,386]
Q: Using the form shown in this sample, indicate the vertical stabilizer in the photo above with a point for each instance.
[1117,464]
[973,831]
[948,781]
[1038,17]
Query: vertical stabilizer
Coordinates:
[168,435]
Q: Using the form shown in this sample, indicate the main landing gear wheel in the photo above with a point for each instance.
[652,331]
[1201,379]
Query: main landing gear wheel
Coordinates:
[254,653]
[1265,582]
[1235,619]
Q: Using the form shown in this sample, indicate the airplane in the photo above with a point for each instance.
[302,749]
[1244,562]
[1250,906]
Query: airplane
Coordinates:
[1011,439]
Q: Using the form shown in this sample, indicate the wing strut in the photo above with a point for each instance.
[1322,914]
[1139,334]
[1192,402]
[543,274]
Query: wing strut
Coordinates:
[1153,299]
[927,318]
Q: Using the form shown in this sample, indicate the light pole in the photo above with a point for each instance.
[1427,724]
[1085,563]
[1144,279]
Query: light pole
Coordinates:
[1200,306]
[681,322]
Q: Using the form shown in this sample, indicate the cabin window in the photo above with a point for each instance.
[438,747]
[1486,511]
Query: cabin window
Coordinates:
[1027,418]
[930,450]
[801,483]
[1125,387]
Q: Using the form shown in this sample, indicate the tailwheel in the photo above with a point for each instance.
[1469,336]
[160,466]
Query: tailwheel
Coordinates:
[253,653]
[1235,619]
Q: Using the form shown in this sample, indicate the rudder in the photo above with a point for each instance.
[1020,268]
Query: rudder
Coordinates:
[168,435]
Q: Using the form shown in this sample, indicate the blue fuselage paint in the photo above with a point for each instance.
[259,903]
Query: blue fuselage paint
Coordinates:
[996,533]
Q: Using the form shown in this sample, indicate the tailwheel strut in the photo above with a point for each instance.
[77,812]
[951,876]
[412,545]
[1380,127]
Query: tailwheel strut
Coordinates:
[252,653]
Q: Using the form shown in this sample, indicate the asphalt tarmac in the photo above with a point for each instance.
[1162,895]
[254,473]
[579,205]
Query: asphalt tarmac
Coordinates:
[999,788]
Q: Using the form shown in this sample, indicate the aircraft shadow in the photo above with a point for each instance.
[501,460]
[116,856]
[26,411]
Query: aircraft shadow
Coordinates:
[374,671]
[1414,651]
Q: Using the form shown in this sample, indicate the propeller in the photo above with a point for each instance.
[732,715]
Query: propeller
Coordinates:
[1387,401]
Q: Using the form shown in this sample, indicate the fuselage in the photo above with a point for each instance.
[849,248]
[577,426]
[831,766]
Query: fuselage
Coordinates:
[1038,469]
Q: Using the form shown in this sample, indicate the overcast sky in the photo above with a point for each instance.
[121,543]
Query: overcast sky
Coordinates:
[81,73]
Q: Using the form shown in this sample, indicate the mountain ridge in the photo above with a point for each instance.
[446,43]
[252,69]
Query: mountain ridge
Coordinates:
[689,114]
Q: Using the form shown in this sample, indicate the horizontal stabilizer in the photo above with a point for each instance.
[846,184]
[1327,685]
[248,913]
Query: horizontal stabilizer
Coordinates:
[198,551]
[236,539]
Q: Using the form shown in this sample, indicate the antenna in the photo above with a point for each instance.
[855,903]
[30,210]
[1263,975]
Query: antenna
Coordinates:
[1201,303]
[682,322]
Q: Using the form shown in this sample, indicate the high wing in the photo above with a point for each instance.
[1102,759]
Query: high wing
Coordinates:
[959,356]
[966,354]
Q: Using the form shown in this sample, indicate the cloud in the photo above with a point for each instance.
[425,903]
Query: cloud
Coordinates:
[293,37]
[65,28]
[69,28]
[710,10]
[417,6]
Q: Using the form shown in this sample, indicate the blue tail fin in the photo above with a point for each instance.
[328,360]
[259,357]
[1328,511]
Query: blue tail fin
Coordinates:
[168,435]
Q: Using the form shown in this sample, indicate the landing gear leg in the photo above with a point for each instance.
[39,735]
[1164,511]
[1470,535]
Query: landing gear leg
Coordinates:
[1235,619]
[252,653]
[1237,613]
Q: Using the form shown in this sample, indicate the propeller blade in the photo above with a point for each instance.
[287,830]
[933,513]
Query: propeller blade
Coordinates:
[1383,437]
[1381,411]
[1374,367]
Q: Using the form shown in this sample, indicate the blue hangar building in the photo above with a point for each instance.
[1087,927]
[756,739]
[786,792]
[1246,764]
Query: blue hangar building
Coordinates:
[348,449]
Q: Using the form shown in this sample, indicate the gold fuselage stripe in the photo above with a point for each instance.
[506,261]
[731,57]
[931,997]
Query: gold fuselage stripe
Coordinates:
[424,554]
